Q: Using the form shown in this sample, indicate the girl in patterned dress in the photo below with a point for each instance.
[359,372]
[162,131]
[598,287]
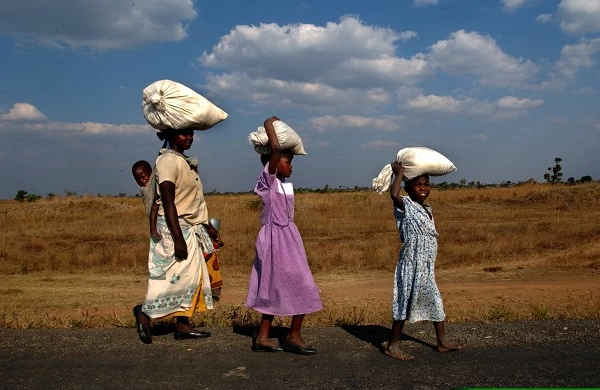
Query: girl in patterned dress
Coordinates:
[281,282]
[416,296]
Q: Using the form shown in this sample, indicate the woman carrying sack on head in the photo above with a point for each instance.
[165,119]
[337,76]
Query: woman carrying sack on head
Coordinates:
[180,280]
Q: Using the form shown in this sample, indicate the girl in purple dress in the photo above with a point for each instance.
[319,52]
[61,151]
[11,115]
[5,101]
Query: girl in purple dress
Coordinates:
[281,282]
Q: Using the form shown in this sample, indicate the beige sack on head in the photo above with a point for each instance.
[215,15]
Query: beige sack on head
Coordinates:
[167,104]
[287,137]
[416,161]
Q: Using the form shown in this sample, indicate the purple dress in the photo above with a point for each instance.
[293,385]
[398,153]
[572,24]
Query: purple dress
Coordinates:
[281,282]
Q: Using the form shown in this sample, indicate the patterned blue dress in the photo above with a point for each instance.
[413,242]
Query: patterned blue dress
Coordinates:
[416,296]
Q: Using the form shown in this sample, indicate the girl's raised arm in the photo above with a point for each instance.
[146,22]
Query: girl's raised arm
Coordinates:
[273,144]
[397,185]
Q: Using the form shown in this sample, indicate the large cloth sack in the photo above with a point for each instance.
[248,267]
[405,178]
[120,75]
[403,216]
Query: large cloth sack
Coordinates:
[416,161]
[287,137]
[170,105]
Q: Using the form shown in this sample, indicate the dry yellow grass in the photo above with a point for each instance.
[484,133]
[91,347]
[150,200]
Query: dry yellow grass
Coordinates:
[99,245]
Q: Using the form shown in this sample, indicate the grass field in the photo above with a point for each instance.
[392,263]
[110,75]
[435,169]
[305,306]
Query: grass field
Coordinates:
[81,261]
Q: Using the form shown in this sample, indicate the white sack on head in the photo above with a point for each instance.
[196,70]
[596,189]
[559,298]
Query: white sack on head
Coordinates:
[416,161]
[287,137]
[167,104]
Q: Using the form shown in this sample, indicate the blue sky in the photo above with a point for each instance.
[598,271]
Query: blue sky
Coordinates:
[501,87]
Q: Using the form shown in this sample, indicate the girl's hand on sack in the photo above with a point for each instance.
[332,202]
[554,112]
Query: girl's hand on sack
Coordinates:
[397,168]
[271,120]
[181,252]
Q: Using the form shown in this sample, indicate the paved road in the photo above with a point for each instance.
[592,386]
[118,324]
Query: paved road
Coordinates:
[525,354]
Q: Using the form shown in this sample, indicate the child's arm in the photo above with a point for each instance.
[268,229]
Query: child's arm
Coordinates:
[397,185]
[154,234]
[273,144]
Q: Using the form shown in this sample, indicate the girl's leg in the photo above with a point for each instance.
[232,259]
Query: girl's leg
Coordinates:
[294,335]
[262,338]
[393,346]
[294,341]
[442,343]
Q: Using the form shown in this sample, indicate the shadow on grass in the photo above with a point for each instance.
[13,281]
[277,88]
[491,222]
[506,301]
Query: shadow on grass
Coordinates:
[377,335]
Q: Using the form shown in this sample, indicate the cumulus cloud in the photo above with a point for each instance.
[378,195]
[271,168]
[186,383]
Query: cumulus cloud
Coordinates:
[470,53]
[512,5]
[406,35]
[329,122]
[544,18]
[85,128]
[579,17]
[512,102]
[306,60]
[380,144]
[107,24]
[25,116]
[577,56]
[285,93]
[23,112]
[507,107]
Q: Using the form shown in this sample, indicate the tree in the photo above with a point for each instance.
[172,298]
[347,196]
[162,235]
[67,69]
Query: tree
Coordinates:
[556,176]
[585,179]
[21,195]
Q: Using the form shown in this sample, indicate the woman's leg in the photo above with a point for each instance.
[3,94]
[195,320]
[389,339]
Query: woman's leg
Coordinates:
[393,346]
[442,344]
[184,330]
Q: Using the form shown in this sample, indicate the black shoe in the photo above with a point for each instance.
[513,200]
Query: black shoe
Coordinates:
[143,331]
[196,334]
[289,346]
[265,348]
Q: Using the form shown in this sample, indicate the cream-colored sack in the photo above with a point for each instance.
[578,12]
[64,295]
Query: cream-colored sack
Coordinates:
[170,105]
[416,161]
[287,137]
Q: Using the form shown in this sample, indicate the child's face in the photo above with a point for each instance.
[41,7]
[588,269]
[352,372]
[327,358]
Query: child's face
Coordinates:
[284,168]
[141,176]
[418,188]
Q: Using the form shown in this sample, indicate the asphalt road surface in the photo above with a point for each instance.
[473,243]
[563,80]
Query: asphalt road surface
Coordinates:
[523,354]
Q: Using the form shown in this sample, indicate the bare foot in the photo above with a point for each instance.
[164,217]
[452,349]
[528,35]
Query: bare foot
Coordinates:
[448,347]
[394,350]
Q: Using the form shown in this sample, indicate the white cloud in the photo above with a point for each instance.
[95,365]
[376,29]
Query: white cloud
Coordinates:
[406,35]
[512,5]
[579,17]
[469,53]
[507,107]
[23,112]
[380,144]
[284,93]
[544,18]
[328,122]
[323,144]
[421,3]
[586,91]
[482,137]
[434,103]
[106,24]
[577,56]
[87,128]
[343,60]
[597,125]
[512,102]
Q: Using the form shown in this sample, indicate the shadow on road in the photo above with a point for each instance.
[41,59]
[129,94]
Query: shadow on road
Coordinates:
[376,335]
